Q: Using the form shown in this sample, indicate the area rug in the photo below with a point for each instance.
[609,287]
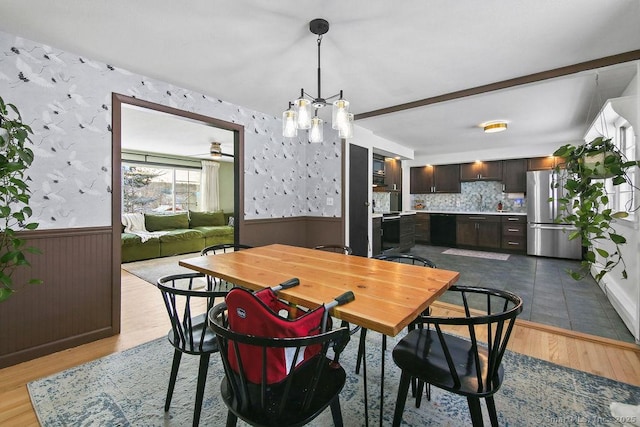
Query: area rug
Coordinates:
[151,269]
[477,254]
[128,389]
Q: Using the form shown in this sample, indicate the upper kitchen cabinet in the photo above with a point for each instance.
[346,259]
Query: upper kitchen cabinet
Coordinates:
[543,163]
[393,174]
[435,179]
[421,180]
[481,171]
[514,175]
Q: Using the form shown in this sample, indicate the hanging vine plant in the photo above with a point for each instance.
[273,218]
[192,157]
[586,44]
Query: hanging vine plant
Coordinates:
[15,158]
[586,202]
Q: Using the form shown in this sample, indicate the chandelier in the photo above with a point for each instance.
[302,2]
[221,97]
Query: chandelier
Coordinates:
[298,115]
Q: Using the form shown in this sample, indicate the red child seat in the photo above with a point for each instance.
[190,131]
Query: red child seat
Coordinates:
[261,314]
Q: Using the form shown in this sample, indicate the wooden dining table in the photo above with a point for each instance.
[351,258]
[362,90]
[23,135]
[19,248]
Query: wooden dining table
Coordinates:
[388,295]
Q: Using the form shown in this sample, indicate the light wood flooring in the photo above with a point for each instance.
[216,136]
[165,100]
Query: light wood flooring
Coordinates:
[144,318]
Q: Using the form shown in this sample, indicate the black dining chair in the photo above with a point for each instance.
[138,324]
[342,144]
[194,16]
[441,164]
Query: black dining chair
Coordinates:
[360,359]
[393,257]
[221,248]
[188,299]
[341,249]
[468,366]
[304,393]
[346,250]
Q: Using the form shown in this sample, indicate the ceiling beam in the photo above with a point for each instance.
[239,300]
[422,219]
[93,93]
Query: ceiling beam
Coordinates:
[633,55]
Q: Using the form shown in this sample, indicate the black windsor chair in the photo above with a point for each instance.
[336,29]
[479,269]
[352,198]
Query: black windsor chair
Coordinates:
[470,367]
[184,296]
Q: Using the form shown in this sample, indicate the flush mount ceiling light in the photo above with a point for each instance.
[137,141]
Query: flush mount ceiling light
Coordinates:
[493,127]
[215,150]
[298,115]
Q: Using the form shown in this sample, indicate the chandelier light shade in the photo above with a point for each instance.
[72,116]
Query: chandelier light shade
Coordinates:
[303,112]
[347,131]
[317,130]
[301,116]
[289,123]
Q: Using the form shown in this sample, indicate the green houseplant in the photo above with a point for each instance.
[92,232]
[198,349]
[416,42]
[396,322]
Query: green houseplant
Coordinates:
[15,158]
[585,203]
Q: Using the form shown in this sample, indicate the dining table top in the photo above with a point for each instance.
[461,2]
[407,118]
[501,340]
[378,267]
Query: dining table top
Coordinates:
[388,295]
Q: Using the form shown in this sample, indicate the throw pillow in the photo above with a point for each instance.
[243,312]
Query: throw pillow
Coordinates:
[166,222]
[200,219]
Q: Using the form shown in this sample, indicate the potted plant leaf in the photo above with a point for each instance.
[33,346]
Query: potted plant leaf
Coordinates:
[15,159]
[586,202]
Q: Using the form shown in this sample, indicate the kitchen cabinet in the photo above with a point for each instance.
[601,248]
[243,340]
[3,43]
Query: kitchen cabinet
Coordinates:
[421,180]
[481,171]
[482,231]
[514,233]
[407,232]
[393,175]
[435,179]
[514,176]
[544,163]
[423,228]
[376,236]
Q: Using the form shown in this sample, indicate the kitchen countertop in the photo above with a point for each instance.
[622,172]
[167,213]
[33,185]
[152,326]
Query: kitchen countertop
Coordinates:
[435,211]
[380,214]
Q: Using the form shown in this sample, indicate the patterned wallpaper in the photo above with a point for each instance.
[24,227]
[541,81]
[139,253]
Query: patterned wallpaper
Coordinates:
[66,99]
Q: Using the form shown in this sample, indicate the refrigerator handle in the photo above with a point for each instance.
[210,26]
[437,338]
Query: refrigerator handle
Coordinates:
[552,195]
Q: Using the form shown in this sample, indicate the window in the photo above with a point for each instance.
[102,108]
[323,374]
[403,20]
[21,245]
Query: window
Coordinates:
[621,196]
[627,145]
[148,188]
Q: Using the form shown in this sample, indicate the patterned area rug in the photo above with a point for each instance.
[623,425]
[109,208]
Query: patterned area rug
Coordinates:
[128,389]
[477,254]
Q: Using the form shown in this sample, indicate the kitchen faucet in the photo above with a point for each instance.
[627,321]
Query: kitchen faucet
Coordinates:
[480,204]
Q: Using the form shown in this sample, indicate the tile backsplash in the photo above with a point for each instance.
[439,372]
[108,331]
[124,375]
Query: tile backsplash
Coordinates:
[473,197]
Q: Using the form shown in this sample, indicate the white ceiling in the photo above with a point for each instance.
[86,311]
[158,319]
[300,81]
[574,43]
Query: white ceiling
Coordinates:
[259,54]
[157,132]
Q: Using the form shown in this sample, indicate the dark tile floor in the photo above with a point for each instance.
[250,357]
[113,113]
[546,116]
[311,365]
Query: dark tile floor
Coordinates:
[550,295]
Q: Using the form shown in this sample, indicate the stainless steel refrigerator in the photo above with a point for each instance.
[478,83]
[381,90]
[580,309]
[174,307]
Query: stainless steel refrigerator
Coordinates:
[545,237]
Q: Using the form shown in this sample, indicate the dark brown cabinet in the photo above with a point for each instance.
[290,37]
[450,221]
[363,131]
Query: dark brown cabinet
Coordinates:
[514,233]
[423,228]
[481,171]
[407,232]
[478,231]
[376,236]
[421,180]
[544,163]
[393,175]
[435,179]
[514,176]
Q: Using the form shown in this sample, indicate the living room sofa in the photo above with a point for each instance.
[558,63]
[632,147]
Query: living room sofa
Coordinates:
[181,233]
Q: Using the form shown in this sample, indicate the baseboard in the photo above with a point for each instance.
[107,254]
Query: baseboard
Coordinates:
[623,305]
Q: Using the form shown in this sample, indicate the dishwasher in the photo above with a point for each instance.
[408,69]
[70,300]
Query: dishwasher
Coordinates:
[443,230]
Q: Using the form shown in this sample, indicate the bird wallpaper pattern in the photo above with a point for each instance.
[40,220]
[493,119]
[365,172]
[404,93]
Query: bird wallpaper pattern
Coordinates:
[66,99]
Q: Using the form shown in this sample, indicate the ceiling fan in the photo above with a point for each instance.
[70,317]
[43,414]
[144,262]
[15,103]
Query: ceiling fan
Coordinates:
[215,151]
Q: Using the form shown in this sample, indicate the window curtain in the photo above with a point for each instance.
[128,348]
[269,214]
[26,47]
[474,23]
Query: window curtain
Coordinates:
[209,186]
